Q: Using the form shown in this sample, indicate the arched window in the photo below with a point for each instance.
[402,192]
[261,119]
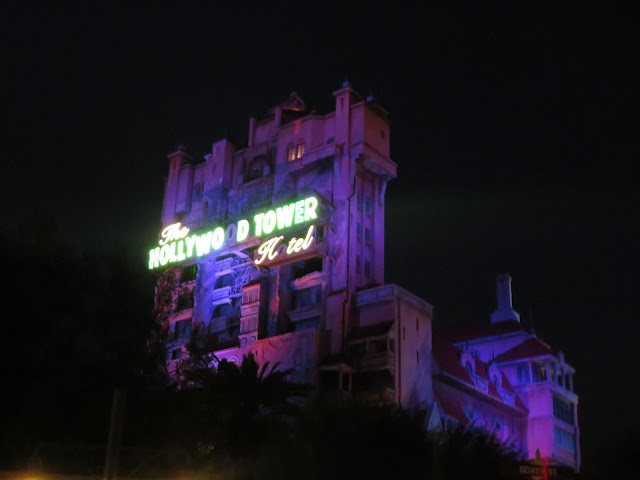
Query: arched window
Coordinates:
[257,167]
[291,152]
[295,152]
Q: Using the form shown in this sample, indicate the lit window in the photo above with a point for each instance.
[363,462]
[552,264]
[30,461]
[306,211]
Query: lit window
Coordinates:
[300,150]
[291,153]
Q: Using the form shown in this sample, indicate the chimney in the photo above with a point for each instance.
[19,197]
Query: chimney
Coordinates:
[505,309]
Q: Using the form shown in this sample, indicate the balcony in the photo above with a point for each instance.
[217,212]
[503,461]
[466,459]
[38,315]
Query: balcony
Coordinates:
[221,293]
[376,361]
[225,265]
[222,323]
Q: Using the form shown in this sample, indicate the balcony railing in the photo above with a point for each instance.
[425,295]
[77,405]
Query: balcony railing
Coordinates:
[225,265]
[372,361]
[219,324]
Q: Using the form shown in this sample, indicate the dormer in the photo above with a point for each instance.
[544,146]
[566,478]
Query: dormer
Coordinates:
[468,362]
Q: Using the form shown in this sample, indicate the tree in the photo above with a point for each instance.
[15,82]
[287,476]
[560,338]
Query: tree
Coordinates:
[233,408]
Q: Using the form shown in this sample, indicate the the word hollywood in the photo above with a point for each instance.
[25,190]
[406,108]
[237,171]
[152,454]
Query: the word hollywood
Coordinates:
[177,245]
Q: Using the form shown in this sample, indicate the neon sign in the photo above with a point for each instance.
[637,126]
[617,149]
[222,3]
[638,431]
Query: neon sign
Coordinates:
[177,245]
[269,250]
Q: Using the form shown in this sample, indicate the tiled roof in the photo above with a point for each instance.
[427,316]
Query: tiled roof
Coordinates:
[520,404]
[506,384]
[451,407]
[481,330]
[481,370]
[531,347]
[448,359]
[370,330]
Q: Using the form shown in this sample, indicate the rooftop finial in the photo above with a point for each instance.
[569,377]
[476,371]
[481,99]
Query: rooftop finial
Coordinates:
[346,83]
[370,97]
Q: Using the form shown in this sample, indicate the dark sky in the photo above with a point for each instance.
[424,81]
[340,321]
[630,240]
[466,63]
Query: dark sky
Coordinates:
[513,127]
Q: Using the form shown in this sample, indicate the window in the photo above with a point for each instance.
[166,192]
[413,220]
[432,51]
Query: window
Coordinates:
[291,153]
[305,267]
[359,230]
[367,268]
[299,150]
[183,329]
[358,261]
[257,168]
[378,346]
[523,373]
[188,273]
[367,205]
[559,375]
[359,201]
[562,410]
[367,236]
[196,196]
[223,310]
[539,372]
[185,300]
[563,438]
[308,296]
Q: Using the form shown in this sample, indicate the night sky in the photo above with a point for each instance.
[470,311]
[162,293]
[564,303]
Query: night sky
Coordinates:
[513,128]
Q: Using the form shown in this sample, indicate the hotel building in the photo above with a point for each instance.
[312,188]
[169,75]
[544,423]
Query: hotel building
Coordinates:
[276,248]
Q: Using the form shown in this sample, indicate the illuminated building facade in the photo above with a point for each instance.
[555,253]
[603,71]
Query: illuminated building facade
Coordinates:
[277,249]
[477,364]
